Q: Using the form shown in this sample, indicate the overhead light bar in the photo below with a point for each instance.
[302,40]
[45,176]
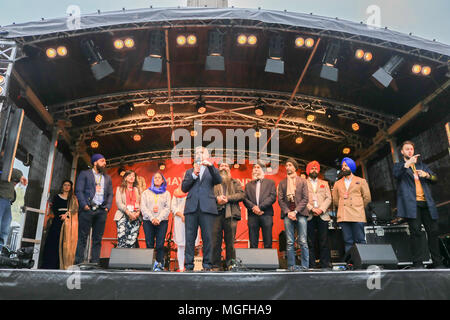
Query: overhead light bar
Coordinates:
[188,40]
[301,42]
[246,40]
[421,70]
[100,67]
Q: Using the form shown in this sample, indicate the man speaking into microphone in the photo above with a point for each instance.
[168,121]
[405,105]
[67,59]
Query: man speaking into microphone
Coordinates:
[201,208]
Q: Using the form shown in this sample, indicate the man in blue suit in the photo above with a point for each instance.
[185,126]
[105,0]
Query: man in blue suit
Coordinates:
[416,205]
[201,208]
[95,195]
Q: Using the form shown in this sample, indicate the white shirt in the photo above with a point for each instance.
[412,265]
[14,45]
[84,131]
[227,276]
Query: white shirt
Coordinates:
[348,181]
[258,189]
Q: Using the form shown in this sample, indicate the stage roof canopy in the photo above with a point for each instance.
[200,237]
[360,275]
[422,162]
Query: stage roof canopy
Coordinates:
[69,91]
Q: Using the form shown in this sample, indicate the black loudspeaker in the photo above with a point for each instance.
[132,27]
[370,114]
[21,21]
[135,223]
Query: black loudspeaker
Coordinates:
[258,258]
[381,210]
[131,258]
[364,255]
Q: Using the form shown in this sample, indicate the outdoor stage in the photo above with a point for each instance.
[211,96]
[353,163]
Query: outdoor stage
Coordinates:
[256,285]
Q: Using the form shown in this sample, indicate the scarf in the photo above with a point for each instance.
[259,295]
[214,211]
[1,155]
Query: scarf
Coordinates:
[160,189]
[291,186]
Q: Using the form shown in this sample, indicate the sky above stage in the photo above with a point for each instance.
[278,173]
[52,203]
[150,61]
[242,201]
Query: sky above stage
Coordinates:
[427,19]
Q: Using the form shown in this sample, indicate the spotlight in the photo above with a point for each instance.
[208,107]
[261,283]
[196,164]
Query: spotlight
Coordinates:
[51,53]
[309,43]
[426,71]
[275,64]
[137,136]
[191,40]
[100,67]
[384,76]
[62,51]
[236,166]
[299,139]
[94,144]
[359,54]
[200,105]
[194,133]
[162,165]
[416,68]
[251,40]
[368,56]
[259,109]
[257,134]
[355,126]
[98,117]
[329,114]
[125,109]
[310,117]
[215,59]
[118,44]
[346,150]
[328,69]
[181,40]
[153,63]
[150,112]
[299,42]
[242,39]
[129,43]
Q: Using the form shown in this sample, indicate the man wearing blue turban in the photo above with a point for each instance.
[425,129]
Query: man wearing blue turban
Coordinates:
[351,195]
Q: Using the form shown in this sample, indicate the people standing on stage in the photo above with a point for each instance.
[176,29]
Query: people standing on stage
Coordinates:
[128,214]
[260,195]
[155,207]
[201,207]
[293,198]
[59,250]
[95,195]
[228,195]
[7,197]
[415,203]
[318,204]
[351,195]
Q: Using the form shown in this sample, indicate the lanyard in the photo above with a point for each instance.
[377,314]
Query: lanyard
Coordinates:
[131,196]
[97,182]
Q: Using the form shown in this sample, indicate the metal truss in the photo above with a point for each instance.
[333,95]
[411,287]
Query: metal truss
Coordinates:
[217,120]
[161,155]
[8,50]
[221,96]
[241,23]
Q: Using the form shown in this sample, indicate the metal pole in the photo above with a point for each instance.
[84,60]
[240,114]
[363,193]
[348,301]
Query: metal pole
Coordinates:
[45,194]
[73,173]
[394,149]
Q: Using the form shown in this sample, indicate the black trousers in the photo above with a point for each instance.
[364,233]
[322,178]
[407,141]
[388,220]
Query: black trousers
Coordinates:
[318,229]
[223,228]
[418,243]
[265,223]
[192,221]
[87,220]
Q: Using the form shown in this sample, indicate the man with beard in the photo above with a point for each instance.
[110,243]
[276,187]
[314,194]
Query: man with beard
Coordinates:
[318,204]
[351,195]
[293,198]
[260,195]
[228,195]
[95,195]
[416,205]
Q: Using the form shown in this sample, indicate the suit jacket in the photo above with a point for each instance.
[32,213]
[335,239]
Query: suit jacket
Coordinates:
[267,196]
[233,199]
[201,191]
[323,195]
[85,189]
[351,209]
[406,190]
[301,197]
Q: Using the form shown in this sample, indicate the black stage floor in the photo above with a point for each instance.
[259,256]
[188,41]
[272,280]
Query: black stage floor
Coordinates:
[246,285]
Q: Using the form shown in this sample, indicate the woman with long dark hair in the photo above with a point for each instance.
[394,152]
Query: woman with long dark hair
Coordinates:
[128,213]
[155,205]
[62,229]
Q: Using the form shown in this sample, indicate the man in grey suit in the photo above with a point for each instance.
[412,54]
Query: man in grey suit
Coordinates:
[260,195]
[201,208]
[293,200]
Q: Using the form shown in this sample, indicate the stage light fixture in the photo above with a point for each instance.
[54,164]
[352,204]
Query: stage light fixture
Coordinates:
[153,63]
[251,40]
[125,109]
[62,51]
[137,136]
[191,39]
[355,126]
[242,39]
[329,114]
[129,43]
[98,117]
[162,165]
[236,166]
[368,56]
[257,134]
[194,133]
[200,105]
[247,40]
[309,43]
[150,112]
[346,150]
[299,138]
[426,71]
[359,54]
[94,144]
[310,117]
[260,109]
[181,40]
[328,69]
[186,39]
[51,53]
[118,44]
[416,69]
[100,67]
[384,75]
[274,63]
[299,42]
[215,59]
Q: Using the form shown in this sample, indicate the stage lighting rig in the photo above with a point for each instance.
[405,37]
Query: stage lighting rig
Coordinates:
[153,63]
[215,59]
[275,63]
[100,67]
[328,70]
[384,75]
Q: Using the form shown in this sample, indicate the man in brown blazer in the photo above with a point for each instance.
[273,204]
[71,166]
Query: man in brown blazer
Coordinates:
[351,195]
[319,196]
[293,198]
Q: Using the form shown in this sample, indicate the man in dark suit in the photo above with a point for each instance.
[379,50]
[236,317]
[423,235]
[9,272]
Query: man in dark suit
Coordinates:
[416,205]
[201,208]
[293,200]
[95,195]
[260,195]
